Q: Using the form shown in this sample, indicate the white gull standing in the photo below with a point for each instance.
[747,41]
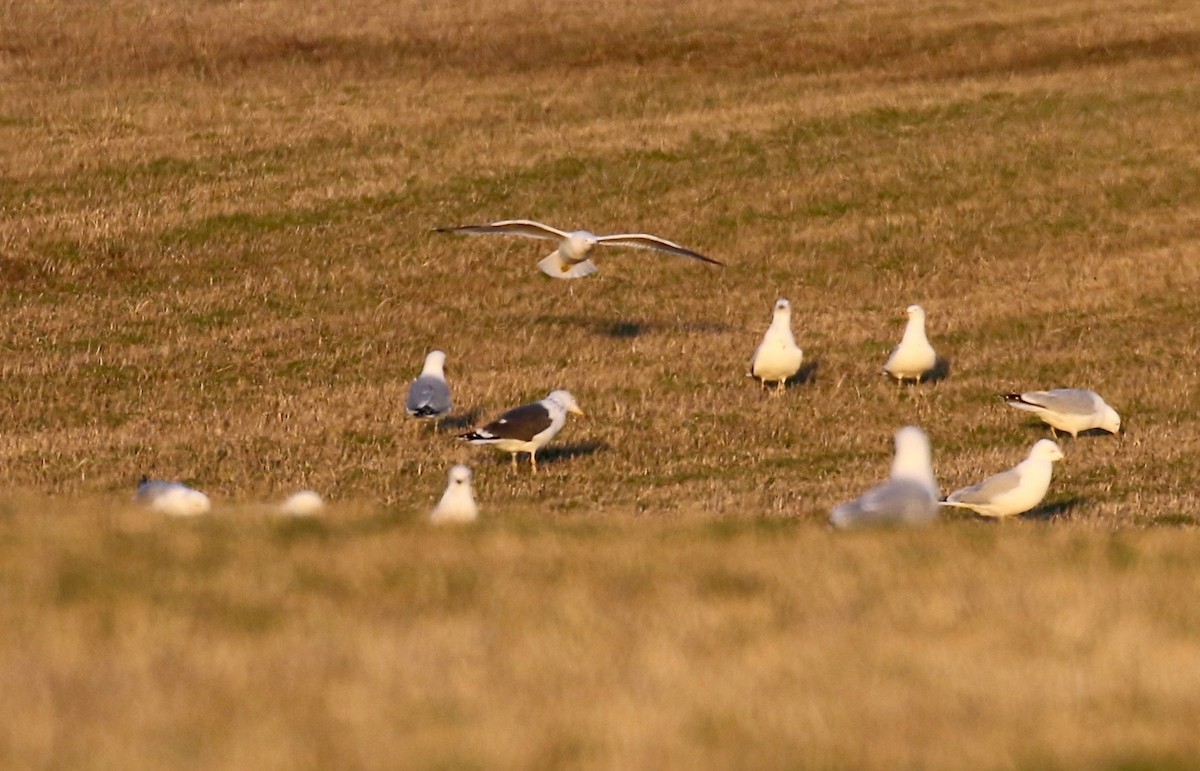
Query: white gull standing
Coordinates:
[171,498]
[458,502]
[914,357]
[1068,409]
[429,394]
[908,497]
[1011,492]
[527,428]
[777,357]
[570,259]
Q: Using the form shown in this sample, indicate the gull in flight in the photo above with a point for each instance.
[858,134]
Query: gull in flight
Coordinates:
[1068,409]
[777,357]
[570,259]
[908,497]
[1011,492]
[458,502]
[527,428]
[429,394]
[914,357]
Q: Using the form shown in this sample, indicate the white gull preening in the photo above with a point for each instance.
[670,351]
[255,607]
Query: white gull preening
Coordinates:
[777,357]
[527,428]
[914,357]
[1011,492]
[429,394]
[908,497]
[571,258]
[171,498]
[458,502]
[1068,409]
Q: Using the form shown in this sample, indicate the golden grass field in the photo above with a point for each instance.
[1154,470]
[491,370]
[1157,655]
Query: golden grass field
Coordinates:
[217,266]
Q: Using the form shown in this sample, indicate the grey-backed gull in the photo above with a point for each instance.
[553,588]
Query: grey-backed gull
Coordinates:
[1068,409]
[1015,491]
[429,394]
[908,497]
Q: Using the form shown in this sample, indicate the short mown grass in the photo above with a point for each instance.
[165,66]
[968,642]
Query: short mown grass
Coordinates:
[217,265]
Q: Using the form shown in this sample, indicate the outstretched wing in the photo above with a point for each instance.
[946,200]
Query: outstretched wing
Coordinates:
[525,228]
[645,241]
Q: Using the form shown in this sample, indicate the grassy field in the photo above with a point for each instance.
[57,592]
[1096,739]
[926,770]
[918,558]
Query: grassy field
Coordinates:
[217,265]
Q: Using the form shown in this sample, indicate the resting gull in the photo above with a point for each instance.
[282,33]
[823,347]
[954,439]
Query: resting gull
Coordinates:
[527,428]
[305,503]
[1011,492]
[909,497]
[429,394]
[914,357]
[777,357]
[173,498]
[1068,409]
[570,259]
[458,502]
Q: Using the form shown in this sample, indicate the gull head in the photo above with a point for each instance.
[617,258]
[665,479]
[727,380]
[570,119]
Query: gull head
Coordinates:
[576,245]
[1046,449]
[1110,421]
[435,363]
[566,401]
[783,307]
[915,312]
[460,475]
[913,459]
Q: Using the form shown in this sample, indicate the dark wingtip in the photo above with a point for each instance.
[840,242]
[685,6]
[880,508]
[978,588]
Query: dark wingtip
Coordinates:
[1011,397]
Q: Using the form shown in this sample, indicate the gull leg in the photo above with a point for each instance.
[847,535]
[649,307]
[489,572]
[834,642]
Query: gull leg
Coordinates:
[779,387]
[533,460]
[1053,433]
[514,462]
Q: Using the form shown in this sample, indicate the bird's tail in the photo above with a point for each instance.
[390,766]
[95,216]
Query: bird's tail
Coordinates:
[476,436]
[424,411]
[555,266]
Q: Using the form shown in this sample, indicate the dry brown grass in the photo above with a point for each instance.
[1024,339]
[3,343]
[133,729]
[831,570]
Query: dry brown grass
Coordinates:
[216,266]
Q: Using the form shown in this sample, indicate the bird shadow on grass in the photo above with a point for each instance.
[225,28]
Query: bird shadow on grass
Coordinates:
[568,451]
[459,422]
[940,371]
[629,329]
[1056,510]
[807,374]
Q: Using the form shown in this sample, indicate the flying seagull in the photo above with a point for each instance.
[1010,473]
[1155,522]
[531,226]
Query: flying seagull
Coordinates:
[570,259]
[908,497]
[914,357]
[1015,491]
[527,428]
[1068,409]
[429,394]
[458,502]
[777,357]
[172,498]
